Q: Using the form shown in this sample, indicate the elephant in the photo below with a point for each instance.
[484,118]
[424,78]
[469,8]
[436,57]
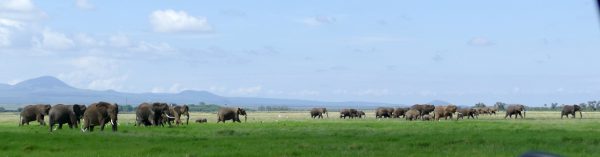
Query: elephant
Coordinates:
[426,117]
[383,112]
[231,114]
[318,113]
[176,112]
[34,113]
[571,109]
[360,114]
[201,120]
[493,110]
[515,110]
[423,108]
[444,112]
[412,114]
[99,114]
[61,114]
[350,113]
[469,112]
[399,112]
[78,110]
[152,114]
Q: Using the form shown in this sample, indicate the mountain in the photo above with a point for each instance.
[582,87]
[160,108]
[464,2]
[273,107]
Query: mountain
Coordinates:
[439,102]
[44,82]
[50,90]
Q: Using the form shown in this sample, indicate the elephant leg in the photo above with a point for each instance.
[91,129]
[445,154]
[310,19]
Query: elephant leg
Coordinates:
[520,116]
[91,128]
[102,123]
[39,119]
[51,125]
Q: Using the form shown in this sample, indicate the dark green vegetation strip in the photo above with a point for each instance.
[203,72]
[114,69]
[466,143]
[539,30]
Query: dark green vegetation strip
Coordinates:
[314,138]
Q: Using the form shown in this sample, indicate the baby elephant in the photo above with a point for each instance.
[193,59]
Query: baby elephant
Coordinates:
[426,117]
[201,120]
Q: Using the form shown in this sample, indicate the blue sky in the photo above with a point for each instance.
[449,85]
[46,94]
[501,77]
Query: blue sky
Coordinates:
[464,52]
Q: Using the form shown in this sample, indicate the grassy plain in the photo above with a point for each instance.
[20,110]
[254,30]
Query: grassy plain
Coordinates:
[294,134]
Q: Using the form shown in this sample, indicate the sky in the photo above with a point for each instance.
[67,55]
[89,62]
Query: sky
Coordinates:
[461,51]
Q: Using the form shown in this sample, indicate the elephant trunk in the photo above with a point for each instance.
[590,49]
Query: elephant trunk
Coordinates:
[114,125]
[524,114]
[580,115]
[245,118]
[327,114]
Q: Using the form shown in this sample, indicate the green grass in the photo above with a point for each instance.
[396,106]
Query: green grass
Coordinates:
[293,134]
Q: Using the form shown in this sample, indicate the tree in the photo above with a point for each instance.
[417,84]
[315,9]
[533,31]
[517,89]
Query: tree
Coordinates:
[553,106]
[500,105]
[480,104]
[583,106]
[2,109]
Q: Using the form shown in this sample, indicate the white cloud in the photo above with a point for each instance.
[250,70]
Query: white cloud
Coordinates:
[175,88]
[161,48]
[245,91]
[480,41]
[84,4]
[51,40]
[96,73]
[84,40]
[171,21]
[17,5]
[7,26]
[318,20]
[119,41]
[5,37]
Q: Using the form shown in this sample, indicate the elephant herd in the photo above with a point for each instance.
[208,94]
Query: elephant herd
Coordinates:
[103,113]
[431,112]
[96,114]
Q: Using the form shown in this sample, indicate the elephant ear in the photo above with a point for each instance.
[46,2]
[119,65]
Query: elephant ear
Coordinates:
[76,109]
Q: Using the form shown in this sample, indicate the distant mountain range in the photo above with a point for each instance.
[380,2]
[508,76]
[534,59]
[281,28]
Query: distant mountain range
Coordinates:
[51,90]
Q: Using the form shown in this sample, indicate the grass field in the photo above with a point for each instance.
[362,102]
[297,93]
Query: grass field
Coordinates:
[294,134]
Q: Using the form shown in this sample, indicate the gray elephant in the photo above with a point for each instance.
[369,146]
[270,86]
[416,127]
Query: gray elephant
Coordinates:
[360,114]
[201,120]
[100,114]
[318,113]
[400,112]
[34,113]
[426,117]
[384,112]
[350,113]
[61,114]
[423,108]
[412,114]
[176,112]
[152,114]
[444,112]
[78,110]
[516,109]
[468,112]
[571,109]
[231,114]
